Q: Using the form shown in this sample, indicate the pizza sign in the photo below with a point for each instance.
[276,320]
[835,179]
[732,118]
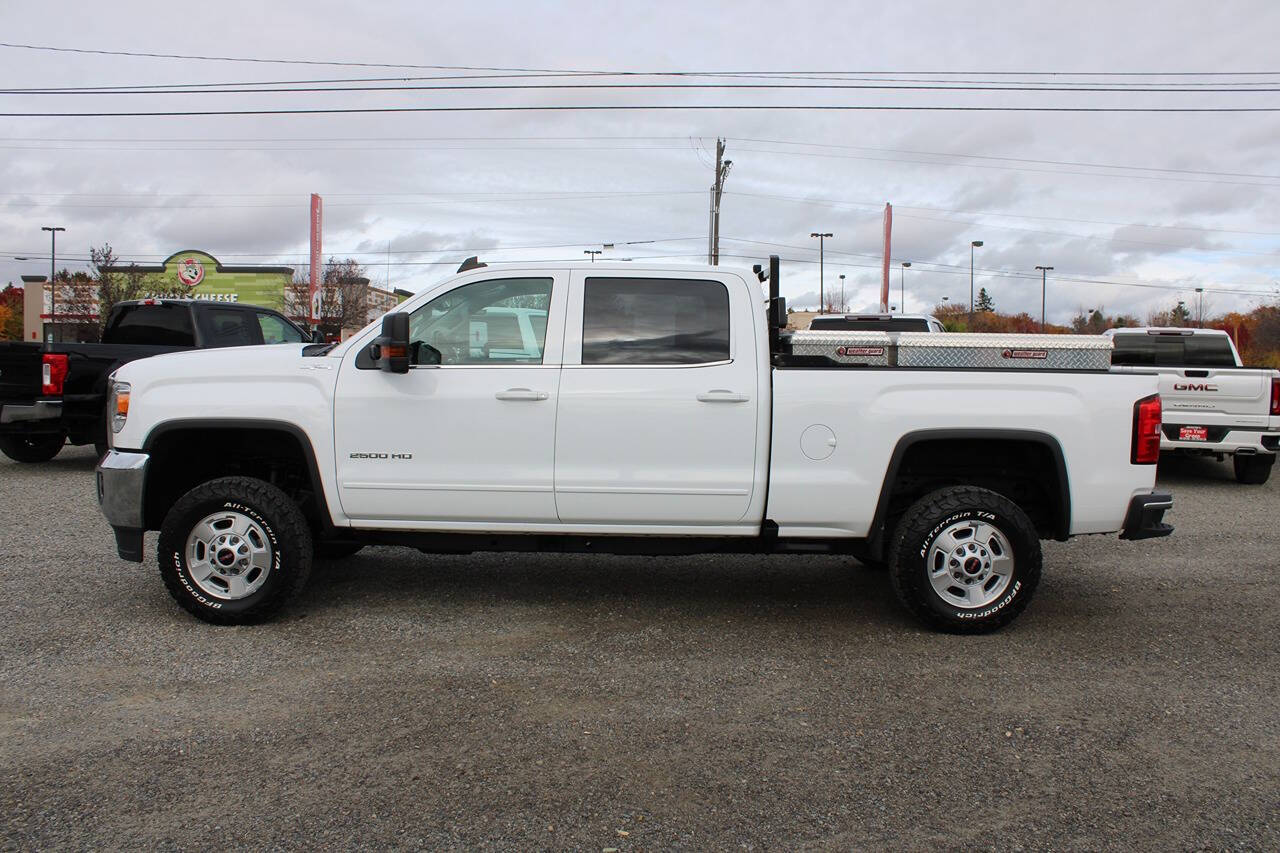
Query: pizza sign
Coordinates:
[190,272]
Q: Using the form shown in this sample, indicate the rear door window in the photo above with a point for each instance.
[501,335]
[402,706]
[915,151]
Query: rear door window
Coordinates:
[231,328]
[654,321]
[164,325]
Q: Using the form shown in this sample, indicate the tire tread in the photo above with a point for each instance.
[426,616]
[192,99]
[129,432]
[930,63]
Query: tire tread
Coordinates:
[284,515]
[916,523]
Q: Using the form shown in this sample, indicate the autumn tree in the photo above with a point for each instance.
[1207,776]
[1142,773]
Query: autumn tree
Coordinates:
[344,297]
[11,308]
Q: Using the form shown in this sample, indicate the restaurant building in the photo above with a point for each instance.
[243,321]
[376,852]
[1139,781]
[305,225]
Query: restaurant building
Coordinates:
[190,274]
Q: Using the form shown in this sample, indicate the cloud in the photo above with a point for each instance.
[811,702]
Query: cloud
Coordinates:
[485,182]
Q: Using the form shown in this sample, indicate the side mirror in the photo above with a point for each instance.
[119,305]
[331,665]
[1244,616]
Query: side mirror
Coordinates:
[317,337]
[390,350]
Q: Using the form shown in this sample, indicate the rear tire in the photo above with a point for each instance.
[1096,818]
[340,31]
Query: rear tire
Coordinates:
[32,448]
[234,551]
[965,560]
[1253,469]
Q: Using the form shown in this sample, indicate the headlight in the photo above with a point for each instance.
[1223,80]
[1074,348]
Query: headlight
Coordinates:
[118,405]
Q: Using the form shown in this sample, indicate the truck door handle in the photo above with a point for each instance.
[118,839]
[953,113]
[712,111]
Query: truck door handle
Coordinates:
[720,395]
[521,394]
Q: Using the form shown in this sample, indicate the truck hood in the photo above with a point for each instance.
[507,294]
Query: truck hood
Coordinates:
[222,362]
[274,382]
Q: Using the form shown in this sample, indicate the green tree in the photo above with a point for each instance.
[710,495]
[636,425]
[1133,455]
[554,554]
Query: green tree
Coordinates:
[114,285]
[984,301]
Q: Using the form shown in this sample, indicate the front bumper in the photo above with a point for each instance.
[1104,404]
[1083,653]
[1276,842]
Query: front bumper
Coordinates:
[122,477]
[40,410]
[1144,518]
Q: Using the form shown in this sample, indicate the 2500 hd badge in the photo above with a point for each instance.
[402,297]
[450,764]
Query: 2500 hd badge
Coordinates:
[381,455]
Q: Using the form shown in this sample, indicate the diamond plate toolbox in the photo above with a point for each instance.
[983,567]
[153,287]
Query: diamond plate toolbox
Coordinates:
[957,350]
[871,348]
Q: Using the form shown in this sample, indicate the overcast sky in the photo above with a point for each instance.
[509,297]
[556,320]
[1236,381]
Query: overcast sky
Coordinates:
[1203,210]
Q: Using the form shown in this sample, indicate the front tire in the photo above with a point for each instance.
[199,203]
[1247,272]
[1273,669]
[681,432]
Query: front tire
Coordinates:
[1253,469]
[965,560]
[234,551]
[32,448]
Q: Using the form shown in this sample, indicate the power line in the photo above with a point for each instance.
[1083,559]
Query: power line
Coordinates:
[963,270]
[1237,85]
[1160,178]
[486,87]
[296,205]
[638,108]
[206,144]
[1010,159]
[198,57]
[1014,227]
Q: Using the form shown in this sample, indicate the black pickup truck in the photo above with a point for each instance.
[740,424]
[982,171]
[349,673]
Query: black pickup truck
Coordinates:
[54,393]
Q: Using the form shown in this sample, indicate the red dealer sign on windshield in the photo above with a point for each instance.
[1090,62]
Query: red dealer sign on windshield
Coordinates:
[313,289]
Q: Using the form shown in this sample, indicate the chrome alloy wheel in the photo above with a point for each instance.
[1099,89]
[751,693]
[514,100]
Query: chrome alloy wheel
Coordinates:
[228,555]
[970,564]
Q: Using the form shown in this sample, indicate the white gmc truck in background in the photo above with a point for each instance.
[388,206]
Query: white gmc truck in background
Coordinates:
[656,411]
[1213,405]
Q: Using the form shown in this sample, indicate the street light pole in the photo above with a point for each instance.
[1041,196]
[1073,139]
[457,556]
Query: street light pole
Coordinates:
[974,244]
[841,293]
[822,305]
[902,288]
[592,253]
[1044,272]
[1200,306]
[53,266]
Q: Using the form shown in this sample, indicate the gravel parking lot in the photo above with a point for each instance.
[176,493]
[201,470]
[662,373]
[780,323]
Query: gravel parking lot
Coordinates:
[630,703]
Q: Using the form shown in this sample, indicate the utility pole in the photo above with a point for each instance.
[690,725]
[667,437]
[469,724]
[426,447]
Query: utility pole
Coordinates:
[902,288]
[821,235]
[592,253]
[972,245]
[1044,272]
[53,284]
[717,189]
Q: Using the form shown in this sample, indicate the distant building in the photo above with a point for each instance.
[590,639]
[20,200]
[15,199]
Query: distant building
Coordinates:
[189,274]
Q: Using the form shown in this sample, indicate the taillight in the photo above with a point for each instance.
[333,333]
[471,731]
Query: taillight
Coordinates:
[1146,431]
[1275,396]
[53,375]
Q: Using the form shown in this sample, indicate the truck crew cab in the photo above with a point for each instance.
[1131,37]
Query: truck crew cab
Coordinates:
[659,410]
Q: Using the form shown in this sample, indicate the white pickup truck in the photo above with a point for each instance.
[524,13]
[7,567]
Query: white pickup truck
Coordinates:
[657,411]
[1212,404]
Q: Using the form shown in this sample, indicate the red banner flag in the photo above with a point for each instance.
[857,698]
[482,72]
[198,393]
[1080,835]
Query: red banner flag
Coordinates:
[317,262]
[888,234]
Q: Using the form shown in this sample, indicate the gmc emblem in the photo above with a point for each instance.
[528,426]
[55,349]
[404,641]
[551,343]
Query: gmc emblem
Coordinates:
[1194,386]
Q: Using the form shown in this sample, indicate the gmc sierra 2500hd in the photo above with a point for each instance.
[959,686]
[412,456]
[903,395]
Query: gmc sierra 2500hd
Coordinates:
[656,410]
[1213,405]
